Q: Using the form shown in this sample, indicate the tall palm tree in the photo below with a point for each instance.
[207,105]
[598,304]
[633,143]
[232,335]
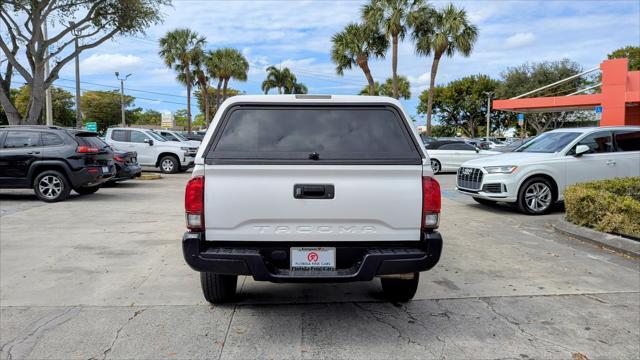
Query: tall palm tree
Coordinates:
[178,49]
[202,80]
[354,46]
[393,17]
[444,32]
[226,64]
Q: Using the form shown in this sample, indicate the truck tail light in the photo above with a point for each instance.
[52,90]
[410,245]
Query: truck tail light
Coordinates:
[194,203]
[87,149]
[431,203]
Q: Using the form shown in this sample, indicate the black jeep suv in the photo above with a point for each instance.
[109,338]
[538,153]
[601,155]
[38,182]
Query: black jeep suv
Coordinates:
[53,161]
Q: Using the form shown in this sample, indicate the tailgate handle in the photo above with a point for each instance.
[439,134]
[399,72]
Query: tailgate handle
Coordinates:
[313,191]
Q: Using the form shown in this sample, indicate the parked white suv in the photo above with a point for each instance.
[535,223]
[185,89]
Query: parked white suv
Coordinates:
[311,188]
[153,150]
[177,137]
[536,174]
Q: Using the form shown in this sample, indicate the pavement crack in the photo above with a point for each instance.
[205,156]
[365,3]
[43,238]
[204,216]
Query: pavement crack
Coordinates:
[115,338]
[519,326]
[20,347]
[379,317]
[224,341]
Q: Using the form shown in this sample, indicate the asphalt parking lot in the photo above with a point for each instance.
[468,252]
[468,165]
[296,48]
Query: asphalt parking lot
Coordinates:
[102,277]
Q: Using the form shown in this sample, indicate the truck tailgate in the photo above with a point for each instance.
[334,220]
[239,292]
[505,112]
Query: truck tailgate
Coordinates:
[257,203]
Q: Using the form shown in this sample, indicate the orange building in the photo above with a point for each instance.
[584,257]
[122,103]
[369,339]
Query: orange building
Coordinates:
[619,97]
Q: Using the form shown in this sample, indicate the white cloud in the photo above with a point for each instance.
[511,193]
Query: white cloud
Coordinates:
[420,80]
[109,63]
[520,40]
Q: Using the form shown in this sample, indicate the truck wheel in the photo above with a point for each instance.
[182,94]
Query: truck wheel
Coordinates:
[400,290]
[169,165]
[51,186]
[86,190]
[218,288]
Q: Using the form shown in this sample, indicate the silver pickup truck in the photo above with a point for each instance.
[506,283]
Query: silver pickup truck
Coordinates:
[303,188]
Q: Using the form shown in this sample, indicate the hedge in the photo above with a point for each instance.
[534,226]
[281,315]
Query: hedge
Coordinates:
[611,206]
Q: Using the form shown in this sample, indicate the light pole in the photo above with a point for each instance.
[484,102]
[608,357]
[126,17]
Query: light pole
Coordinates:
[489,95]
[122,80]
[76,33]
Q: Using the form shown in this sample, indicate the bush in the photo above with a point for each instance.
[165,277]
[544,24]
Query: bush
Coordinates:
[611,206]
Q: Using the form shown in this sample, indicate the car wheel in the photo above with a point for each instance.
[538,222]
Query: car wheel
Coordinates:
[484,201]
[51,186]
[86,190]
[169,165]
[435,165]
[535,196]
[400,290]
[218,288]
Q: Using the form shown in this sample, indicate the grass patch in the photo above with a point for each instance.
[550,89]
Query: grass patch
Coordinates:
[611,206]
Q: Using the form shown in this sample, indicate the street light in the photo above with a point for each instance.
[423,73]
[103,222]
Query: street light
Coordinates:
[76,33]
[489,96]
[122,80]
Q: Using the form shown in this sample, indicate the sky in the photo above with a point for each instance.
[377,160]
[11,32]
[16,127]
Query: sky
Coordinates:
[297,34]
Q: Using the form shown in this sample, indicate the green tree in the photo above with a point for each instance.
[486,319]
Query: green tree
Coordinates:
[530,76]
[463,104]
[444,131]
[630,52]
[386,89]
[394,18]
[103,107]
[138,116]
[180,49]
[212,99]
[355,45]
[24,45]
[226,64]
[180,117]
[282,80]
[444,32]
[61,102]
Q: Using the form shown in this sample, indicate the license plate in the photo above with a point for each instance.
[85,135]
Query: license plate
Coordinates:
[105,169]
[313,258]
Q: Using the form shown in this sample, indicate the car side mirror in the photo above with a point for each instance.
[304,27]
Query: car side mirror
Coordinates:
[581,150]
[149,141]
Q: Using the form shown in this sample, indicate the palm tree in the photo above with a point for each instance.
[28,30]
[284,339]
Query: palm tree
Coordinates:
[393,17]
[443,32]
[354,46]
[201,78]
[283,80]
[226,64]
[386,89]
[178,49]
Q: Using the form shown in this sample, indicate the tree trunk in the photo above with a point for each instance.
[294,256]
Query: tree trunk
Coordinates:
[364,65]
[36,98]
[432,85]
[13,116]
[218,93]
[394,67]
[188,78]
[205,93]
[224,89]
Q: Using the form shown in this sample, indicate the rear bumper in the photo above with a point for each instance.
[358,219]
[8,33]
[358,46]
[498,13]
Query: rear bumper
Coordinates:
[127,172]
[84,177]
[366,261]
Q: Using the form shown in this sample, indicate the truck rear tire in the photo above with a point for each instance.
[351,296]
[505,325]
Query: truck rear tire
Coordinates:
[400,290]
[218,288]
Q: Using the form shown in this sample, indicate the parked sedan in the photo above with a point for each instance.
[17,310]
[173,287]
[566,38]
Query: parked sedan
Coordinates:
[127,166]
[449,155]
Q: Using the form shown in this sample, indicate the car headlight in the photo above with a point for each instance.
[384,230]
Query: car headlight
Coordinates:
[184,148]
[508,169]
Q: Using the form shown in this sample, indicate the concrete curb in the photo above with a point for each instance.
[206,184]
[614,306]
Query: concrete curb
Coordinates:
[149,176]
[612,242]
